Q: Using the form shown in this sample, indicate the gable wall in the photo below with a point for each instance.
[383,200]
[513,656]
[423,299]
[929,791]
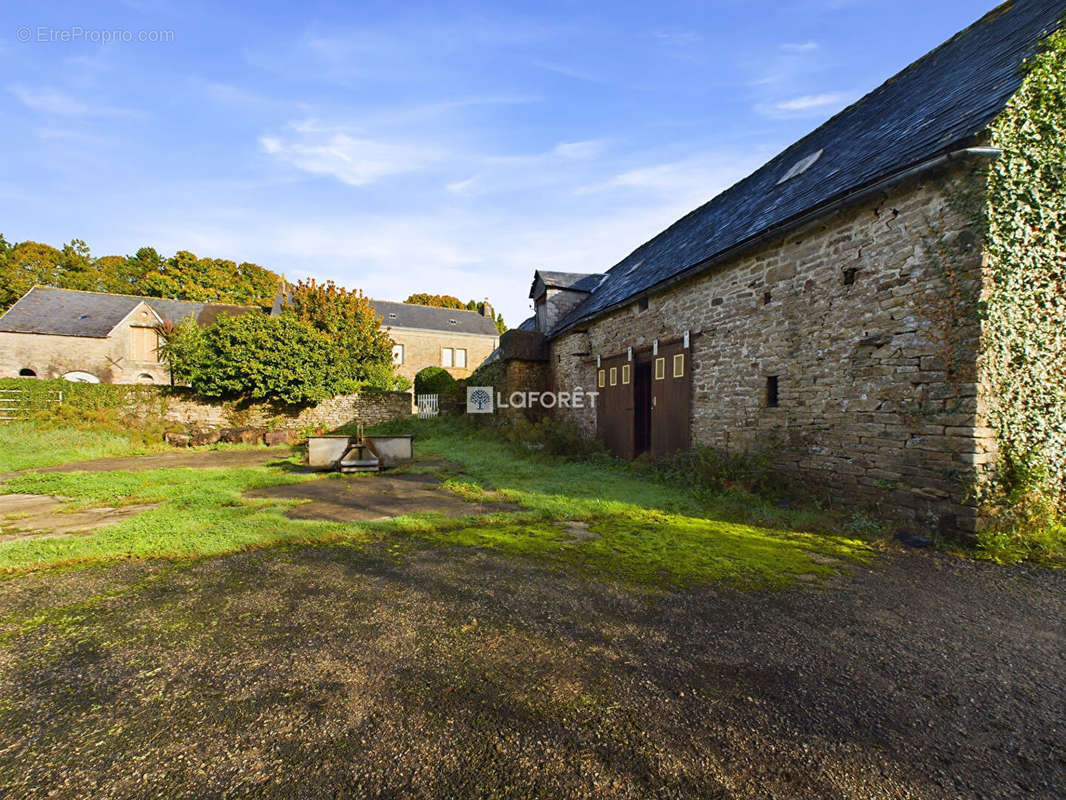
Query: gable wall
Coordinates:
[866,405]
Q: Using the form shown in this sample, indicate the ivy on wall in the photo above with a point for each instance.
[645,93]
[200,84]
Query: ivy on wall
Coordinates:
[1024,332]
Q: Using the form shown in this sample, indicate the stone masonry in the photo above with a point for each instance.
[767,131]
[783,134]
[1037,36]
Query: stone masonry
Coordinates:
[848,315]
[181,406]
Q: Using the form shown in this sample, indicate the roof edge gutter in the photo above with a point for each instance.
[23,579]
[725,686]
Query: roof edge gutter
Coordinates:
[829,207]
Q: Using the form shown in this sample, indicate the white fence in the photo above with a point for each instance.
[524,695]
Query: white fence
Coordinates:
[20,403]
[428,405]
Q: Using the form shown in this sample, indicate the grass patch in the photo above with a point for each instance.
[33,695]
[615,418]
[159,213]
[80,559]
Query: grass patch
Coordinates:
[202,512]
[634,529]
[649,531]
[26,445]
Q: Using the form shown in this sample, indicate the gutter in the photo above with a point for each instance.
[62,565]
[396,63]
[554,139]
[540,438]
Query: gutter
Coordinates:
[848,198]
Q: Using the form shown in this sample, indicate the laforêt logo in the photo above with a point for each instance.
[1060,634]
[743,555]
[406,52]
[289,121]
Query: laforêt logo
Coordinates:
[479,400]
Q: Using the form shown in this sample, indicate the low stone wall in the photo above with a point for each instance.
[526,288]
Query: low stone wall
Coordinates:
[181,406]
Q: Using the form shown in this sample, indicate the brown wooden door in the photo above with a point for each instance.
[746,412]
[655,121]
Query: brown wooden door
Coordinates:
[614,406]
[671,400]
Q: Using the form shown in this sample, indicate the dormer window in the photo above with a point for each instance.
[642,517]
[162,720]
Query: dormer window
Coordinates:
[392,315]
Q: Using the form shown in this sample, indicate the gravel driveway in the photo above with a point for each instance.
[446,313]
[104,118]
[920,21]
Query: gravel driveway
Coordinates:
[341,672]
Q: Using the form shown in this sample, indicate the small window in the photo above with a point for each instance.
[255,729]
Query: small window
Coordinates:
[849,276]
[660,368]
[392,315]
[447,357]
[771,391]
[460,358]
[766,298]
[614,376]
[452,322]
[144,377]
[26,372]
[642,304]
[397,354]
[625,373]
[601,378]
[679,365]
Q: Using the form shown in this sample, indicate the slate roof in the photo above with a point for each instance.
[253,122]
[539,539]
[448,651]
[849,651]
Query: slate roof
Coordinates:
[432,318]
[65,312]
[574,281]
[932,107]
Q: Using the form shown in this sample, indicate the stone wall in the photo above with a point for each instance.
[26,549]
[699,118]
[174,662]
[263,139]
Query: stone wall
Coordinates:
[849,315]
[180,406]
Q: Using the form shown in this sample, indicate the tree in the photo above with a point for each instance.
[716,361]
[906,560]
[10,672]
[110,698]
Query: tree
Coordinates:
[25,265]
[349,320]
[257,357]
[436,300]
[184,276]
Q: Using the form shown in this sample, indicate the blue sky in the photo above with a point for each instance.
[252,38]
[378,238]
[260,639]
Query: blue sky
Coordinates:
[400,147]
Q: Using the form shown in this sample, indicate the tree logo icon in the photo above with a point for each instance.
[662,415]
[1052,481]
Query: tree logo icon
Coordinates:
[479,400]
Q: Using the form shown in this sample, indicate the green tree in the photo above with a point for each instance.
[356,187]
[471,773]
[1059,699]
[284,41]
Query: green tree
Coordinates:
[257,357]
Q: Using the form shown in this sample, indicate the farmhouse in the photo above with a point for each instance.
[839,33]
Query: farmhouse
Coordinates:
[857,305]
[93,337]
[426,336]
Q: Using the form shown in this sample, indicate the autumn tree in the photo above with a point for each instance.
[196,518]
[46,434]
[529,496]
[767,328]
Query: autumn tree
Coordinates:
[436,300]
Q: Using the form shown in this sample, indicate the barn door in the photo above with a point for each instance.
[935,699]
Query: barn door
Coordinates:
[671,399]
[614,405]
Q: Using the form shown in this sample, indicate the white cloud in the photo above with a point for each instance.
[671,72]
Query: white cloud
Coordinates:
[352,160]
[48,100]
[799,47]
[577,150]
[804,105]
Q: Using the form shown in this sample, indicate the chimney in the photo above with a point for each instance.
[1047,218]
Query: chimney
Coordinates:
[486,310]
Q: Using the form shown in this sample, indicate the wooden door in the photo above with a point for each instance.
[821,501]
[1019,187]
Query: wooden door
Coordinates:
[614,405]
[671,399]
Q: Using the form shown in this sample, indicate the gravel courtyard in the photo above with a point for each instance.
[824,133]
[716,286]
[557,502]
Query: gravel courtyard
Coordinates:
[394,671]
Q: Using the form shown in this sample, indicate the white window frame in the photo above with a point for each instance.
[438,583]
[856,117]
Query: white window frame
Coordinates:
[459,357]
[397,354]
[447,357]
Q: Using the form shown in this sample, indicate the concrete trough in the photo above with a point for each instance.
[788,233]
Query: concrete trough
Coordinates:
[325,452]
[391,450]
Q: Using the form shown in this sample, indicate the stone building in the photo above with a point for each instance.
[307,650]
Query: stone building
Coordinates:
[837,307]
[426,336]
[92,336]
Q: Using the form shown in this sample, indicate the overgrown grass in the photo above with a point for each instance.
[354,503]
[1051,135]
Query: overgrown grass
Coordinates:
[632,528]
[25,445]
[201,512]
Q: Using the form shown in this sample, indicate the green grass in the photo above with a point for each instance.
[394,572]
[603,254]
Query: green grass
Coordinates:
[26,445]
[643,531]
[201,512]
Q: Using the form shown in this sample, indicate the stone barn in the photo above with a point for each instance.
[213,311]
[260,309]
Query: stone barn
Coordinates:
[856,306]
[93,337]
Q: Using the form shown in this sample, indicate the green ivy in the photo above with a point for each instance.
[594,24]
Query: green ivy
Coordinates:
[1024,335]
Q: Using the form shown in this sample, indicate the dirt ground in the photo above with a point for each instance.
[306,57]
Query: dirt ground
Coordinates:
[197,459]
[396,672]
[377,496]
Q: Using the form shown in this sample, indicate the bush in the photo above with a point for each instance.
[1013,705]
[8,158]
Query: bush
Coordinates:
[435,380]
[717,470]
[550,437]
[256,357]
